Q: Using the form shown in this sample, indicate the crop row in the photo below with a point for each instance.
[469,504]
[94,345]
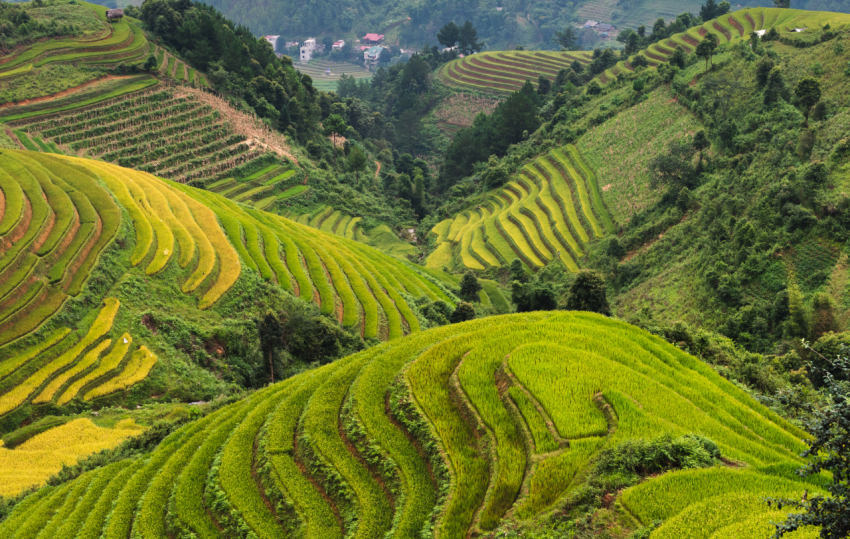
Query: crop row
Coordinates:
[550,210]
[290,442]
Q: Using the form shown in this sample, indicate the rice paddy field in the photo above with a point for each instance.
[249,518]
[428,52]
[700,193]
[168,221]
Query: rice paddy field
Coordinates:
[526,391]
[550,210]
[326,73]
[507,71]
[183,134]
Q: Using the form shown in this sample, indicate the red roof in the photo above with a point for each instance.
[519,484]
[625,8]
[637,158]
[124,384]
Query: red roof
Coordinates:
[373,37]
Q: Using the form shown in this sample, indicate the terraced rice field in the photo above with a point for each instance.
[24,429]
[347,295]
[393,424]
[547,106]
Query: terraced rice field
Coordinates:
[294,458]
[507,71]
[322,80]
[172,134]
[550,210]
[263,187]
[33,462]
[177,223]
[118,41]
[732,27]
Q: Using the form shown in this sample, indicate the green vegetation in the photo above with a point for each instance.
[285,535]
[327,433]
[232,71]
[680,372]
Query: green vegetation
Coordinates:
[322,80]
[503,72]
[307,464]
[550,211]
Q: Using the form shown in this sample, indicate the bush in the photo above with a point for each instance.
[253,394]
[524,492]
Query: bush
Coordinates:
[644,457]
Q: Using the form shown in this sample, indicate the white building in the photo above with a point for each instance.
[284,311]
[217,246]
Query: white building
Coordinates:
[307,50]
[339,44]
[372,55]
[273,41]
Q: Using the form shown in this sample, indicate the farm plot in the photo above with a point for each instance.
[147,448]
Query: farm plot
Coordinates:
[297,454]
[551,210]
[506,71]
[263,187]
[621,162]
[326,74]
[178,224]
[33,462]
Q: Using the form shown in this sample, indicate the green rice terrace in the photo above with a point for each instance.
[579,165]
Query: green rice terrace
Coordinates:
[507,71]
[445,433]
[182,134]
[318,70]
[60,214]
[59,76]
[550,210]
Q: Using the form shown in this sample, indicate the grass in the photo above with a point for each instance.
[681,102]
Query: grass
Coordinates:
[641,133]
[454,375]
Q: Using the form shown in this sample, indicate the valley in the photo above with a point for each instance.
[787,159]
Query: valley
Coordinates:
[535,281]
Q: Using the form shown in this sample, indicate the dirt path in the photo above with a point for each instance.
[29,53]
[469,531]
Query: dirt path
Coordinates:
[379,169]
[256,132]
[13,137]
[63,93]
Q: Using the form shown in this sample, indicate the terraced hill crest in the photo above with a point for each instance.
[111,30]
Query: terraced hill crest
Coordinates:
[516,405]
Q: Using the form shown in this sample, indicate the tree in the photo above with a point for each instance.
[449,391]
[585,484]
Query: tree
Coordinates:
[763,68]
[469,287]
[639,61]
[808,92]
[828,451]
[706,49]
[449,35]
[673,168]
[533,296]
[632,43]
[798,315]
[468,39]
[566,38]
[823,315]
[659,30]
[700,144]
[356,161]
[543,85]
[271,341]
[679,58]
[588,293]
[334,126]
[150,63]
[593,88]
[782,3]
[463,312]
[517,271]
[775,89]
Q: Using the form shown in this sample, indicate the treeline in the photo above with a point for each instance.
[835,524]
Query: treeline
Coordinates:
[237,63]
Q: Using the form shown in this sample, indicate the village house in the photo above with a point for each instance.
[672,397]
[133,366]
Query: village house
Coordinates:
[372,55]
[373,39]
[307,50]
[113,14]
[338,45]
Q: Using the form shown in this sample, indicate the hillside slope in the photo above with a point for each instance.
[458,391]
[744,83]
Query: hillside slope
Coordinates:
[97,255]
[516,405]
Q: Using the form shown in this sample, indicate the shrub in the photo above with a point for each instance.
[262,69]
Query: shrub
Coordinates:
[644,457]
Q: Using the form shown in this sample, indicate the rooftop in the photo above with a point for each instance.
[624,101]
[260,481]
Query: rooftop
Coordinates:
[373,37]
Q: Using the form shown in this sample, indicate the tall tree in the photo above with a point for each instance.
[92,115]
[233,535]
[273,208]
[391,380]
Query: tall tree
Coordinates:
[449,35]
[808,92]
[588,293]
[566,38]
[707,47]
[468,39]
[469,287]
[700,144]
[334,126]
[782,3]
[356,161]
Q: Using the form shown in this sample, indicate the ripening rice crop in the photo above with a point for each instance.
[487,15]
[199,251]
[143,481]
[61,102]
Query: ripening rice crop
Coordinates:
[550,211]
[33,462]
[350,448]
